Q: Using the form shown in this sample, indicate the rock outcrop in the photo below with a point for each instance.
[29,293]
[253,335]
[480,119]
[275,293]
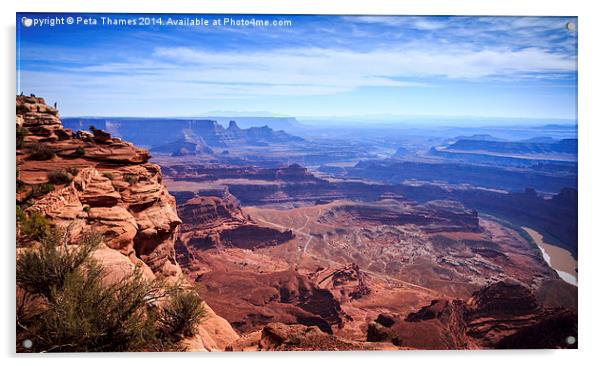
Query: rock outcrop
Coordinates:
[41,120]
[565,146]
[431,218]
[219,222]
[347,282]
[94,182]
[252,300]
[183,147]
[282,337]
[214,333]
[501,315]
[285,337]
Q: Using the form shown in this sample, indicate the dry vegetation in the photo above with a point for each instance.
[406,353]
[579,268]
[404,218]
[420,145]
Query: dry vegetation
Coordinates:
[66,306]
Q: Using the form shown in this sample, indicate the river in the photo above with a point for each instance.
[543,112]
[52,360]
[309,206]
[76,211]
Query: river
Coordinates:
[561,260]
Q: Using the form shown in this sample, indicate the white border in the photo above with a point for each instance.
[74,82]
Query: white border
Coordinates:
[590,154]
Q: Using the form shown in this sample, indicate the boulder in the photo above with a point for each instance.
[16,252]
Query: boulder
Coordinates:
[213,333]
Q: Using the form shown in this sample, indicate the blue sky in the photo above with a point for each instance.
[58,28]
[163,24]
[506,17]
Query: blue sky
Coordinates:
[511,67]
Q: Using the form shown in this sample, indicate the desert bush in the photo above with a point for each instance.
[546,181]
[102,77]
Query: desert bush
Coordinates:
[86,316]
[79,152]
[59,177]
[131,179]
[45,271]
[38,190]
[22,109]
[82,313]
[34,226]
[109,175]
[19,183]
[22,132]
[41,152]
[180,317]
[20,214]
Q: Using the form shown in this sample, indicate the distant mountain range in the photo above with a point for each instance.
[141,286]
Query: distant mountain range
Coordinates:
[182,147]
[481,137]
[159,133]
[531,146]
[288,124]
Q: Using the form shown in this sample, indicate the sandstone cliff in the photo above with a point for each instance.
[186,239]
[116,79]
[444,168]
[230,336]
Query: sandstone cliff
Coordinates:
[99,183]
[82,181]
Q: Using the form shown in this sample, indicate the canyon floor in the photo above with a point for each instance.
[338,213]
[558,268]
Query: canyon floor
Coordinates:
[301,243]
[319,254]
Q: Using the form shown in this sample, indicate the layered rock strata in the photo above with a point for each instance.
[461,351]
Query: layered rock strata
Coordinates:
[94,182]
[501,315]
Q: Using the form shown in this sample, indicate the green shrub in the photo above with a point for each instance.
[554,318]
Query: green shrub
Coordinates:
[22,132]
[131,179]
[109,175]
[59,177]
[38,190]
[41,152]
[45,271]
[22,109]
[34,226]
[20,214]
[79,152]
[180,317]
[86,316]
[20,184]
[82,313]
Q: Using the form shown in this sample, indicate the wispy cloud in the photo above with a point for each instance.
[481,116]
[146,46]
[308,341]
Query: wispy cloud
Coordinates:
[420,23]
[318,57]
[307,71]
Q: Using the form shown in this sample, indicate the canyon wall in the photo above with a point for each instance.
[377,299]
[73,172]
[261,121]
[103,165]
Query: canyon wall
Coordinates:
[81,181]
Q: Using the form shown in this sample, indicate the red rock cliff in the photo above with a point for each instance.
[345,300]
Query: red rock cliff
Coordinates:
[92,181]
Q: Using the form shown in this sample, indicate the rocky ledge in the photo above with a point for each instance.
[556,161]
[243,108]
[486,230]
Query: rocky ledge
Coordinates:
[94,182]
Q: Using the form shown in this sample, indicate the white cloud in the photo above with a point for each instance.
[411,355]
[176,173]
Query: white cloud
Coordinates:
[420,23]
[183,72]
[382,67]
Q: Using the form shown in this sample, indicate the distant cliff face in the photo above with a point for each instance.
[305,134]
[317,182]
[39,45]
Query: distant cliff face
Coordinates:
[91,181]
[162,132]
[566,146]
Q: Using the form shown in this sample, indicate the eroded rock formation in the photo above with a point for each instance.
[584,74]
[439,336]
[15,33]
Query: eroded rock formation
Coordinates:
[94,182]
[501,315]
[251,300]
[282,337]
[219,222]
[432,217]
[104,184]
